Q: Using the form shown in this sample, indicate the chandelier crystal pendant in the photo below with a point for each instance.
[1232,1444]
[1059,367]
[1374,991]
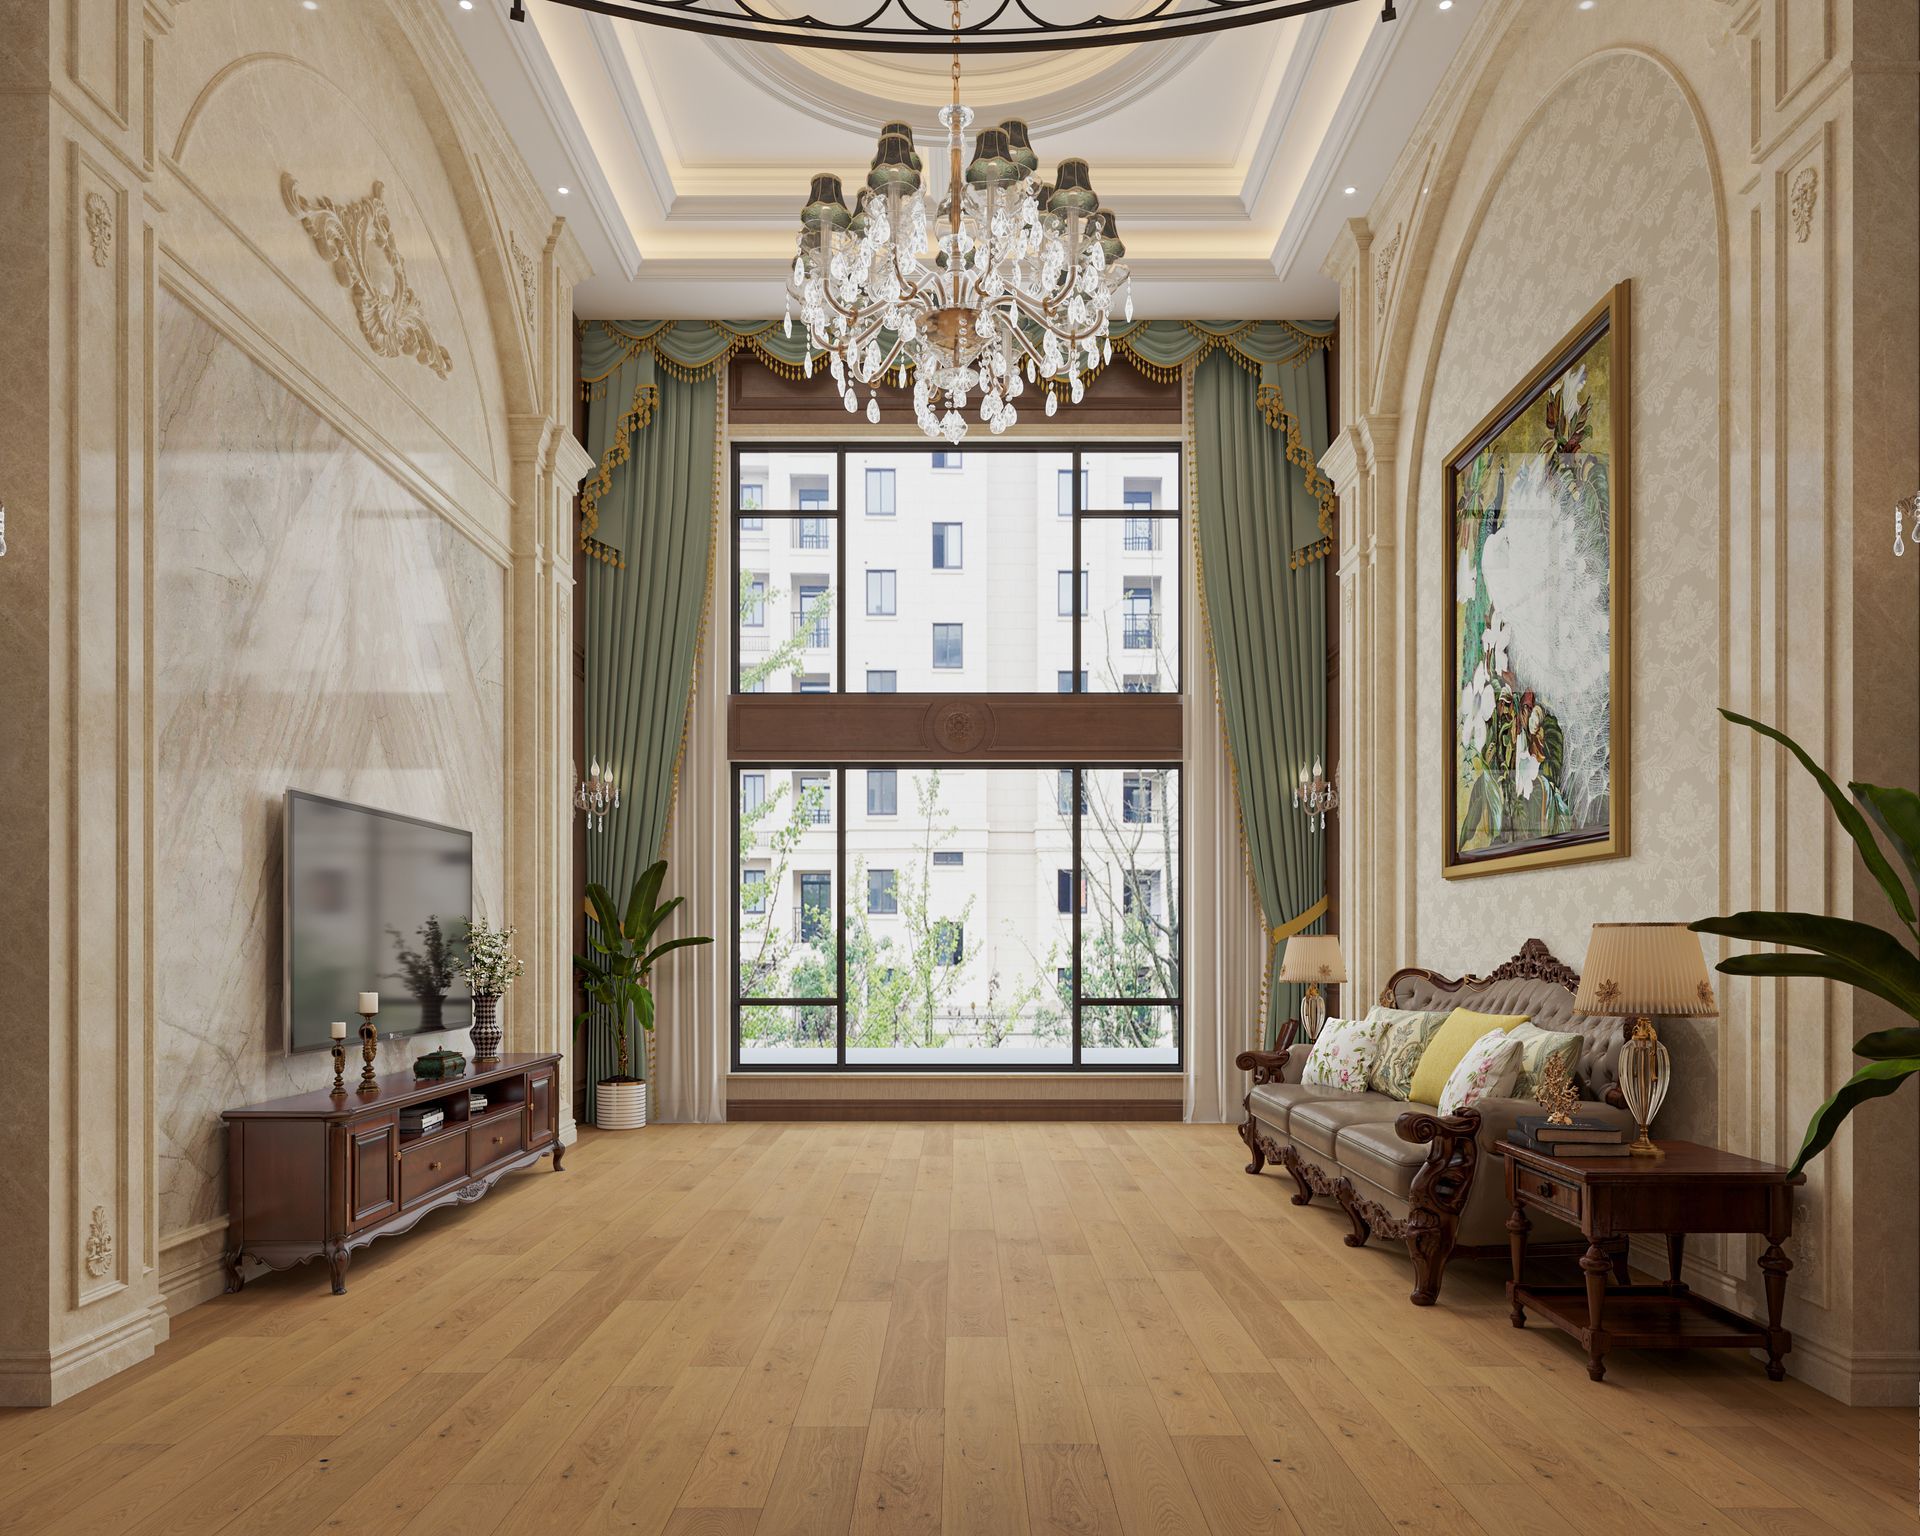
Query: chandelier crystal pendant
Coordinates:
[1009,282]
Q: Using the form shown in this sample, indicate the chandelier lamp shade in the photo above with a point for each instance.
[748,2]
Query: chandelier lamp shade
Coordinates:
[1007,283]
[896,26]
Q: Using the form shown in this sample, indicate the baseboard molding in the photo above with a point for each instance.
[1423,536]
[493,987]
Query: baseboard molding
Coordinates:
[41,1379]
[953,1109]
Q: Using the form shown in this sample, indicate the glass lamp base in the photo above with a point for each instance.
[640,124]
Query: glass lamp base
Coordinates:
[1313,1012]
[1645,1073]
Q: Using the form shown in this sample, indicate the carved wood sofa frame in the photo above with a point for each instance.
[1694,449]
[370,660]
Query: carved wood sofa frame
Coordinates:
[1440,1187]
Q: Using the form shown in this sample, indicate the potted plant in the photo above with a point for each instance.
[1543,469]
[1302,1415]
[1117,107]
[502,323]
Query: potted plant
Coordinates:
[490,967]
[1856,954]
[620,983]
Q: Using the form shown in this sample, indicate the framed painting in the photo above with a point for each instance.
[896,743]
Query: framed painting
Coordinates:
[1536,613]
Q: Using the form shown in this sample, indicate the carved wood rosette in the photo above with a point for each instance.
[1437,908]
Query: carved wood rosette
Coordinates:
[357,238]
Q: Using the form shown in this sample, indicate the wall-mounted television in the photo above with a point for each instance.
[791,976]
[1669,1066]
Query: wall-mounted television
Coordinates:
[375,902]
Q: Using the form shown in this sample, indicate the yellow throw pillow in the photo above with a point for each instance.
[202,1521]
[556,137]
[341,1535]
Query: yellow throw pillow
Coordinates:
[1449,1046]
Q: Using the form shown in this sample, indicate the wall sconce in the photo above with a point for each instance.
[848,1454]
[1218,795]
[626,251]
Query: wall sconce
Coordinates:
[595,795]
[1316,794]
[1904,512]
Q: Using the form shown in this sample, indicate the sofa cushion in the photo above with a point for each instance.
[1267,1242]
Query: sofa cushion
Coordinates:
[1401,1047]
[1273,1102]
[1343,1052]
[1487,1071]
[1538,1047]
[1376,1153]
[1317,1125]
[1450,1043]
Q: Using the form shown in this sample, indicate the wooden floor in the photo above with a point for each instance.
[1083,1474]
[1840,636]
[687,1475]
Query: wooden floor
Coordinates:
[972,1328]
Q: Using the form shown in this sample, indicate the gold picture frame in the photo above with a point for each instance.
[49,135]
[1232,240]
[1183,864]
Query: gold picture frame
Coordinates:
[1547,472]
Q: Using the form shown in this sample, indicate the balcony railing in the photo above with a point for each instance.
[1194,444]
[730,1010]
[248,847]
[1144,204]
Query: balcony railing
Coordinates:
[1140,631]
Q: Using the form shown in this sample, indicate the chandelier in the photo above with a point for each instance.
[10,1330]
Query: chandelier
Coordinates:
[1007,283]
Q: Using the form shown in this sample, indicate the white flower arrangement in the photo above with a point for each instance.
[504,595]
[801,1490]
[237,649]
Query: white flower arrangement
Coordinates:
[490,966]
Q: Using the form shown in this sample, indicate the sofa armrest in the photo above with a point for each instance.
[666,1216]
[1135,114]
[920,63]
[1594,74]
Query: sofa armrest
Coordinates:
[1443,1181]
[1266,1066]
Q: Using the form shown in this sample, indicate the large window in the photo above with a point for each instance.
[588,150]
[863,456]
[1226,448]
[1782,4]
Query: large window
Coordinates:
[981,911]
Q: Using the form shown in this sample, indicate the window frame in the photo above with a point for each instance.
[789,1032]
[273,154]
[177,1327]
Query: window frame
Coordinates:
[889,591]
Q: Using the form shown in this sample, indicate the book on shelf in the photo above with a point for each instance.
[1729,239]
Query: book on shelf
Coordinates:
[422,1119]
[1545,1132]
[1520,1138]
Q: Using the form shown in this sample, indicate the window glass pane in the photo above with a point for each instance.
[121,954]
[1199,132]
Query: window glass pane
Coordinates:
[799,1036]
[1063,593]
[788,609]
[1130,637]
[1130,851]
[788,868]
[883,792]
[880,491]
[1132,480]
[949,647]
[948,459]
[883,682]
[1063,494]
[1135,1034]
[882,590]
[961,965]
[949,547]
[783,481]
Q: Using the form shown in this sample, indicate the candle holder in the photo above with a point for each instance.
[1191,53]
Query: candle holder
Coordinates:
[339,1069]
[369,1049]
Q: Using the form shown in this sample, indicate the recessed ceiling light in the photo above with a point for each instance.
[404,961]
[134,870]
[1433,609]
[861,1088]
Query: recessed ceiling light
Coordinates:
[1586,5]
[1351,190]
[309,5]
[565,190]
[1446,5]
[467,5]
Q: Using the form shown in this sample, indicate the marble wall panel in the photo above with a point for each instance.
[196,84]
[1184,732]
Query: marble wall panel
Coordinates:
[316,628]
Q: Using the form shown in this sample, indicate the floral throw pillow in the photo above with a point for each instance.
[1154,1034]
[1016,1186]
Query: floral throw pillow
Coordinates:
[1538,1047]
[1343,1053]
[1487,1071]
[1408,1031]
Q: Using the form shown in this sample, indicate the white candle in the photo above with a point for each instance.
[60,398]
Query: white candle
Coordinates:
[338,1028]
[369,1003]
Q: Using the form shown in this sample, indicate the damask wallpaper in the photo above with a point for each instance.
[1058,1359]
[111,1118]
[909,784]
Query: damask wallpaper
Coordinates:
[1567,220]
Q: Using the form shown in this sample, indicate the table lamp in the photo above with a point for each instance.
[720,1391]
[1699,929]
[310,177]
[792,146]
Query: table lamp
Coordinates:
[1637,971]
[1313,958]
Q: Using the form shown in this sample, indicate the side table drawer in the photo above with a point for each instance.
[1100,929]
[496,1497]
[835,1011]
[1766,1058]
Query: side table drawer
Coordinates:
[1556,1194]
[497,1138]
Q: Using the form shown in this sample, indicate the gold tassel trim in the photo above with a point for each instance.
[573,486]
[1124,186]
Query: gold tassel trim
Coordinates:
[638,416]
[1273,406]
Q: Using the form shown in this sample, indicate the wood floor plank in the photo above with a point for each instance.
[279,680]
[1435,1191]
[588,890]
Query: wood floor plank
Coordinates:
[901,1472]
[881,1328]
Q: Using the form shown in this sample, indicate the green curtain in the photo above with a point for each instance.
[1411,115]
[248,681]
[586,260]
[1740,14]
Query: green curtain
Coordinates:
[1264,513]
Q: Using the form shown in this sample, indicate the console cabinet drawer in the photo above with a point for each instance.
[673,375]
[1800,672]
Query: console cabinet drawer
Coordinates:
[489,1142]
[426,1170]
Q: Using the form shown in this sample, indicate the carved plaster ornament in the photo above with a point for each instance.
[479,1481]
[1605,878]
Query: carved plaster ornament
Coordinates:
[99,1250]
[523,264]
[1800,203]
[99,228]
[1382,273]
[357,237]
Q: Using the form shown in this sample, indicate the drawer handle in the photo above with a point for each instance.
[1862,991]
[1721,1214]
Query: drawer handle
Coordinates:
[498,1139]
[431,1167]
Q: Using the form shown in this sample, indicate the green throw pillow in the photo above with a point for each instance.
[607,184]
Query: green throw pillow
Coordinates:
[1538,1047]
[1408,1031]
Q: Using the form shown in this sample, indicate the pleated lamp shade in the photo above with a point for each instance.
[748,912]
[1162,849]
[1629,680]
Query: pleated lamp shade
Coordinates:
[1650,969]
[1313,957]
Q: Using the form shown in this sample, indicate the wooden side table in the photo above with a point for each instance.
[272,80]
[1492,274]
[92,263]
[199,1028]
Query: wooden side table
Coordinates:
[1688,1188]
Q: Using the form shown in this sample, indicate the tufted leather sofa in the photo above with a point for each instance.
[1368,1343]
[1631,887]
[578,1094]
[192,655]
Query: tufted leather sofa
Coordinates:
[1406,1171]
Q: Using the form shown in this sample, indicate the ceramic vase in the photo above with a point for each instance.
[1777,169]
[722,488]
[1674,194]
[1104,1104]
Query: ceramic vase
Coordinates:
[485,1033]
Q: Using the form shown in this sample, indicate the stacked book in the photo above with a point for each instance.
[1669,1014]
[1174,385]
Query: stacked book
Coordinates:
[1583,1138]
[476,1102]
[418,1121]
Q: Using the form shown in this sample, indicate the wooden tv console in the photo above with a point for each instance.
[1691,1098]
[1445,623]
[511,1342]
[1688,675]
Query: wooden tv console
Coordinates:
[320,1174]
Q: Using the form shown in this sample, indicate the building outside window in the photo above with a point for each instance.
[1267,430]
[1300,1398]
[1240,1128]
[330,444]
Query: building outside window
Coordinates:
[948,646]
[753,791]
[1063,595]
[883,681]
[879,493]
[881,587]
[1136,800]
[811,532]
[812,682]
[1141,534]
[946,546]
[882,893]
[1064,681]
[1064,887]
[1138,631]
[947,459]
[753,496]
[753,607]
[883,792]
[814,798]
[819,632]
[753,889]
[816,906]
[1140,682]
[1064,493]
[946,859]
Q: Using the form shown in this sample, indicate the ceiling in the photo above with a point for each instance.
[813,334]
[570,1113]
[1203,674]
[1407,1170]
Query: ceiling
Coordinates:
[1230,159]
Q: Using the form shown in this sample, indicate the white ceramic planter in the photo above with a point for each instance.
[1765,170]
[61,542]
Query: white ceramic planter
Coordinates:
[620,1106]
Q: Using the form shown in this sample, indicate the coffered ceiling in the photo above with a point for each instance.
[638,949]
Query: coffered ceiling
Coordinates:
[1230,159]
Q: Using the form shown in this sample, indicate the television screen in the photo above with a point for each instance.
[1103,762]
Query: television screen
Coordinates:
[375,902]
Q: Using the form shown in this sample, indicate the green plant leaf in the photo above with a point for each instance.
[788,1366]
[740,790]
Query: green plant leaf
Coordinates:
[1814,967]
[673,944]
[1849,817]
[1897,813]
[1885,1044]
[1870,1082]
[646,892]
[655,921]
[604,911]
[1878,962]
